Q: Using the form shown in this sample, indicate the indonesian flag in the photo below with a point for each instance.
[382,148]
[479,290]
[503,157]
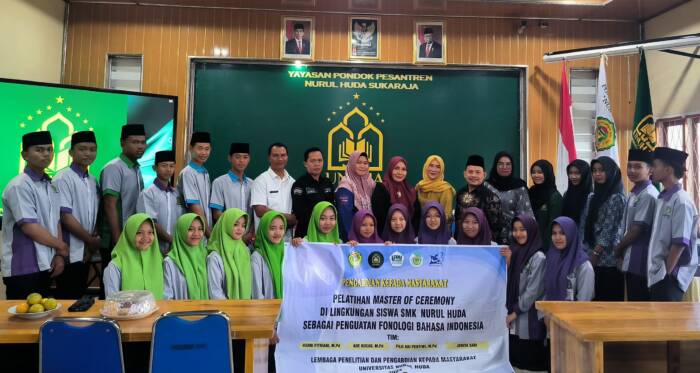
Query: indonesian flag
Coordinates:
[566,149]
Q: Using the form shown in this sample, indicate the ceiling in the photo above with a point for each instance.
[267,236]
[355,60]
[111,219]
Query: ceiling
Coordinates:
[620,10]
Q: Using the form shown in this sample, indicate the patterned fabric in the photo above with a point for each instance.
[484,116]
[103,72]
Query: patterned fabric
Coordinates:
[607,229]
[484,199]
[514,202]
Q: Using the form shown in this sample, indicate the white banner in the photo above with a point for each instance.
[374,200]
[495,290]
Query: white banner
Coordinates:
[605,128]
[399,308]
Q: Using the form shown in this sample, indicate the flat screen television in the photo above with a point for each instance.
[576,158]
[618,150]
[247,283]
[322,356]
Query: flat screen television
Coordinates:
[27,106]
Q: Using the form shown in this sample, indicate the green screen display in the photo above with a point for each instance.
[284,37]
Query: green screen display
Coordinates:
[62,110]
[412,112]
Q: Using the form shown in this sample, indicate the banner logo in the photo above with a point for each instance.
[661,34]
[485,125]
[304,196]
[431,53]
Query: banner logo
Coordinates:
[375,259]
[356,132]
[416,259]
[605,134]
[644,135]
[436,259]
[355,259]
[396,259]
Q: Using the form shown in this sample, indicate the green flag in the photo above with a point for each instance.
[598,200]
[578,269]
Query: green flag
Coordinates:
[644,130]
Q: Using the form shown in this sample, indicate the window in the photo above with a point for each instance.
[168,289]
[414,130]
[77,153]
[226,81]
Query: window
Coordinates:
[583,85]
[683,133]
[124,72]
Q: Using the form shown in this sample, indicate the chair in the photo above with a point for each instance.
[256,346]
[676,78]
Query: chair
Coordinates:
[95,346]
[187,345]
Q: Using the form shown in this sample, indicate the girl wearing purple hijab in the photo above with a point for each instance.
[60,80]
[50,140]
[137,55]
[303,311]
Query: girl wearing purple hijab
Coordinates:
[398,227]
[525,287]
[364,228]
[568,274]
[433,226]
[474,229]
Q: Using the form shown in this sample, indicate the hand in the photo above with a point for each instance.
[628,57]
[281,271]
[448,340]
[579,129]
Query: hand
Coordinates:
[387,243]
[510,318]
[352,243]
[296,241]
[507,253]
[58,264]
[63,249]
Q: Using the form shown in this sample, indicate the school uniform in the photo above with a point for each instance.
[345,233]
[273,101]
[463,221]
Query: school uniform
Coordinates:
[216,276]
[306,193]
[163,204]
[112,278]
[527,331]
[675,222]
[263,288]
[229,191]
[195,188]
[640,212]
[174,282]
[28,198]
[121,178]
[274,192]
[580,284]
[80,198]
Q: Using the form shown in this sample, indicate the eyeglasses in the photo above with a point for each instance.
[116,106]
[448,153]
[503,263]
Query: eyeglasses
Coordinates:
[504,165]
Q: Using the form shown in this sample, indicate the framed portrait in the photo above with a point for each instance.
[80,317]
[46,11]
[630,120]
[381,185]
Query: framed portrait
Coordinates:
[364,38]
[429,42]
[297,40]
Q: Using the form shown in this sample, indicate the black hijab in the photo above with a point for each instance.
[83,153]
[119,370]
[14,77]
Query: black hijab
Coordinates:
[541,193]
[601,193]
[504,183]
[576,195]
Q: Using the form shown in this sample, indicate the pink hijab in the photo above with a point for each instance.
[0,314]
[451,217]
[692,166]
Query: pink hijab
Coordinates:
[360,186]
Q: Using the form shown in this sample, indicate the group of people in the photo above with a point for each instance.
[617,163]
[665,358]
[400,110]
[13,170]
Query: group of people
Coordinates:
[226,239]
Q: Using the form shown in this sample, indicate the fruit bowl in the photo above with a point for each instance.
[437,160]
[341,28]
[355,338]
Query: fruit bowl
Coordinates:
[33,316]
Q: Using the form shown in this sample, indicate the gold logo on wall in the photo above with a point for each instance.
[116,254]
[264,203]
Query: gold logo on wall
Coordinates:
[355,132]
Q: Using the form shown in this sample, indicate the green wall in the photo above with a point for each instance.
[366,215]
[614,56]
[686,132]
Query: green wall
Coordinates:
[449,112]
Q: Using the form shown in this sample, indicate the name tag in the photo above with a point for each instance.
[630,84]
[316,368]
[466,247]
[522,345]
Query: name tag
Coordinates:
[274,191]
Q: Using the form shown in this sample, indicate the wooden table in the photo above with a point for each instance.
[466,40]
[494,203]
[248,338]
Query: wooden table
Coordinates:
[578,330]
[249,320]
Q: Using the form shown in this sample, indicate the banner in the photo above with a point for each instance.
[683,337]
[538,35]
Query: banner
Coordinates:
[644,128]
[605,129]
[566,149]
[398,308]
